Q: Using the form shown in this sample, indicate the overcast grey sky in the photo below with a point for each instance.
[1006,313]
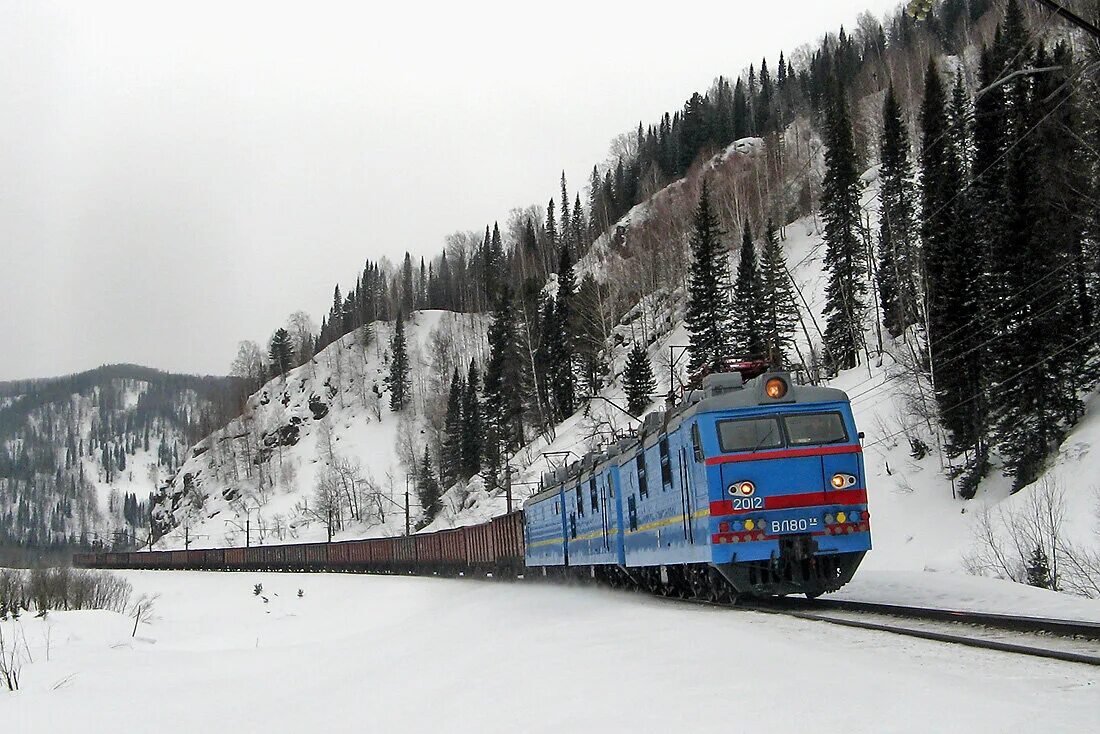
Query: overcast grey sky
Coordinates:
[175,177]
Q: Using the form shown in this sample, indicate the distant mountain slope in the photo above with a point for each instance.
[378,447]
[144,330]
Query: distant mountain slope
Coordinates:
[81,454]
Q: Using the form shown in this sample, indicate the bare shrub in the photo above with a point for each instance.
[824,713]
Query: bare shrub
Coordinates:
[1028,545]
[142,610]
[11,662]
[63,588]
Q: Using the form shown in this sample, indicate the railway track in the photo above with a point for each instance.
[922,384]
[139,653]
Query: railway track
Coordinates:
[1056,639]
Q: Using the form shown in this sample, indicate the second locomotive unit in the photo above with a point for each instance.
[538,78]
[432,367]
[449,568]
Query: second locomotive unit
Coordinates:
[743,489]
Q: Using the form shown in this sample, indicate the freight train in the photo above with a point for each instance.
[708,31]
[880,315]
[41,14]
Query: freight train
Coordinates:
[744,488]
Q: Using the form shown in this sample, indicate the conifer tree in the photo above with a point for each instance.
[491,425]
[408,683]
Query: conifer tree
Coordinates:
[897,255]
[566,220]
[708,302]
[397,380]
[638,380]
[778,308]
[950,300]
[504,379]
[280,352]
[551,228]
[427,489]
[745,324]
[844,254]
[561,341]
[451,466]
[471,424]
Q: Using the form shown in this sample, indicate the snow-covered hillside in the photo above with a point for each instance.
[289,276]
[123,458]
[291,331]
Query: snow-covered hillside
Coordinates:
[81,455]
[258,475]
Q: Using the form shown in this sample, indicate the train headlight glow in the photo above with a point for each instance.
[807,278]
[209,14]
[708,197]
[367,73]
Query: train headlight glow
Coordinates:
[842,481]
[775,388]
[746,489]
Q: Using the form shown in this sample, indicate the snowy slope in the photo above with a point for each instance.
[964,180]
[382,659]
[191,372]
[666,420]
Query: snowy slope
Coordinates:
[258,474]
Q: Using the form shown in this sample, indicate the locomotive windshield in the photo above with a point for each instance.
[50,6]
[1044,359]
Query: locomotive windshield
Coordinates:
[750,434]
[815,428]
[803,429]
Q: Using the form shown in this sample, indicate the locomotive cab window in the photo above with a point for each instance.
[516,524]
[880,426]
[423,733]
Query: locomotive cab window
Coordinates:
[815,428]
[580,501]
[749,434]
[593,496]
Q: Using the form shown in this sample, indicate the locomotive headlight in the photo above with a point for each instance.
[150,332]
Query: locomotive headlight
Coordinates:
[746,488]
[841,481]
[775,388]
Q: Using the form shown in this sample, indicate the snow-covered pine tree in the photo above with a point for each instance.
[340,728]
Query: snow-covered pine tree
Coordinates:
[638,380]
[280,352]
[451,464]
[427,489]
[897,246]
[708,304]
[844,253]
[745,322]
[778,309]
[397,379]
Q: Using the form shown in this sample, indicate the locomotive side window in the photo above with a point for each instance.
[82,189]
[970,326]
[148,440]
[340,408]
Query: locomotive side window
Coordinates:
[580,501]
[696,443]
[592,495]
[815,428]
[750,434]
[643,487]
[666,465]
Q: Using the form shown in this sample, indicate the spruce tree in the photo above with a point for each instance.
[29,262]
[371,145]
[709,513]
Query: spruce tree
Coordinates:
[451,465]
[1034,392]
[504,379]
[561,341]
[708,301]
[897,253]
[397,380]
[427,489]
[950,300]
[471,424]
[778,308]
[844,254]
[638,380]
[745,323]
[280,352]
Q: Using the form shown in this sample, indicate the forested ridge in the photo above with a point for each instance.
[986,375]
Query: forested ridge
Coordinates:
[80,455]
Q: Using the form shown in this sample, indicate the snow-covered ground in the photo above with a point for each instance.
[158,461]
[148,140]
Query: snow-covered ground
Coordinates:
[386,654]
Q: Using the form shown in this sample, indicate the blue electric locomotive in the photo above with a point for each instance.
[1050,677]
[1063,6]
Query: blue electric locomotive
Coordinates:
[754,488]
